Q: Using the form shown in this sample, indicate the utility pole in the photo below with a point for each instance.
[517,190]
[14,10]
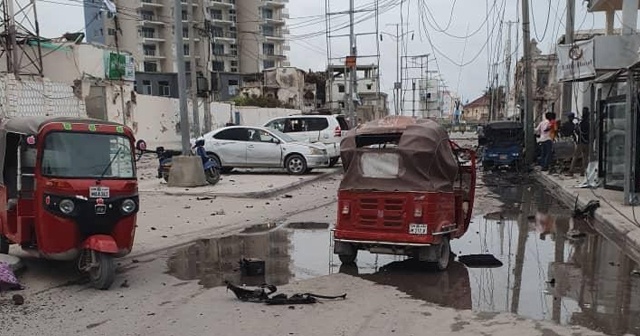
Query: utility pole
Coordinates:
[182,78]
[413,87]
[353,52]
[397,86]
[567,87]
[530,141]
[20,18]
[508,69]
[193,69]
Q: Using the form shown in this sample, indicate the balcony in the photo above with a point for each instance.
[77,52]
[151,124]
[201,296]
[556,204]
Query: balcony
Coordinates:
[222,3]
[274,56]
[152,54]
[224,36]
[274,36]
[274,3]
[184,3]
[221,20]
[148,19]
[152,3]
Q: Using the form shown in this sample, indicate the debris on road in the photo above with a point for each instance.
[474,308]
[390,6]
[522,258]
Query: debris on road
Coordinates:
[480,261]
[8,280]
[261,295]
[17,299]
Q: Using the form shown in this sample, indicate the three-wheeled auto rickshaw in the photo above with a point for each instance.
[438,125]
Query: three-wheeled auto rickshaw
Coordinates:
[407,190]
[69,191]
[502,144]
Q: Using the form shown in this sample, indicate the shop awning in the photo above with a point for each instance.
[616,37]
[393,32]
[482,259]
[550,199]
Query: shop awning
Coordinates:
[610,77]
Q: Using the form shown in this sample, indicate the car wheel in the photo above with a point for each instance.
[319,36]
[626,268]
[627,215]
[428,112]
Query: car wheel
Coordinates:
[296,164]
[333,162]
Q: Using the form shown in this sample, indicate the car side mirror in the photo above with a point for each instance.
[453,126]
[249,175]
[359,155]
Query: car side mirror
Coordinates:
[275,141]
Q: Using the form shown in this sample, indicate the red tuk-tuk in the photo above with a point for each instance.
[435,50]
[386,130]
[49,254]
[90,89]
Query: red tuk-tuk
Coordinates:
[69,191]
[407,190]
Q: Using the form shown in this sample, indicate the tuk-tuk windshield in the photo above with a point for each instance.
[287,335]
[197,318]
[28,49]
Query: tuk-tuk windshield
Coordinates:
[87,155]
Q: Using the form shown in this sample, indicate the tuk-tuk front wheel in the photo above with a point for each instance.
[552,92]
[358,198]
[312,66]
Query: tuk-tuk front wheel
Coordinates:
[103,271]
[4,245]
[348,259]
[443,254]
[212,175]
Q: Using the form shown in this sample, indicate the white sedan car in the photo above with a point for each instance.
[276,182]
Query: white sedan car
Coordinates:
[259,147]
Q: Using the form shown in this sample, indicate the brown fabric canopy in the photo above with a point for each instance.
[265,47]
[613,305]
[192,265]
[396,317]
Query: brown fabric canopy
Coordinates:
[425,158]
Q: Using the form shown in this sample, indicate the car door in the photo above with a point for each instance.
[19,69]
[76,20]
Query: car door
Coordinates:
[231,146]
[264,149]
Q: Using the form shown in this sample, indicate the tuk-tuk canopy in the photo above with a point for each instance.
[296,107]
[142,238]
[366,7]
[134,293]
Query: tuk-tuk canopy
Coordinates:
[502,131]
[398,154]
[33,125]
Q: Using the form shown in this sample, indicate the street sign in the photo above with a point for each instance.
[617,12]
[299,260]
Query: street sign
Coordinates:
[351,61]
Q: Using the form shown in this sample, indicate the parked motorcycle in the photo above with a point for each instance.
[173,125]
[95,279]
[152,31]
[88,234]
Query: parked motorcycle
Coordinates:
[165,159]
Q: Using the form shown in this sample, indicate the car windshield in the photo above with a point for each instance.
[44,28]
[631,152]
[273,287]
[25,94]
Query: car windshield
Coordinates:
[281,135]
[87,155]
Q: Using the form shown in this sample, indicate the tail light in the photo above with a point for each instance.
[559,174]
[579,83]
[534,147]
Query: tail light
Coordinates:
[337,132]
[417,212]
[345,209]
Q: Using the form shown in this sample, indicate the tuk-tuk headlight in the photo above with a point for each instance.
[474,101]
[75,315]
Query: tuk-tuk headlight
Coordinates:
[66,206]
[128,206]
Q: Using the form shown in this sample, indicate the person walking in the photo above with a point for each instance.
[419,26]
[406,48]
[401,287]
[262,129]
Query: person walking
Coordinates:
[582,146]
[544,132]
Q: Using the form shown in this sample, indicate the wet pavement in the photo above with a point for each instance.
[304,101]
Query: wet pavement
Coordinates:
[554,268]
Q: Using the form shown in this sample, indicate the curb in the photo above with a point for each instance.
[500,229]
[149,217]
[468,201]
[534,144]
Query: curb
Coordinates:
[257,194]
[615,230]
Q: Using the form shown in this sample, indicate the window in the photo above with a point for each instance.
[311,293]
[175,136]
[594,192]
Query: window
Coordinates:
[150,67]
[277,124]
[237,134]
[111,32]
[218,49]
[341,88]
[234,69]
[87,155]
[218,65]
[369,86]
[149,50]
[267,13]
[232,82]
[269,64]
[185,48]
[147,15]
[380,165]
[217,31]
[542,78]
[148,32]
[164,88]
[268,49]
[216,14]
[185,32]
[268,31]
[234,63]
[316,124]
[146,87]
[185,17]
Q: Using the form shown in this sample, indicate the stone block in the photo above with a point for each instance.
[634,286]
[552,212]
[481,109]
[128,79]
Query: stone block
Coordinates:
[186,171]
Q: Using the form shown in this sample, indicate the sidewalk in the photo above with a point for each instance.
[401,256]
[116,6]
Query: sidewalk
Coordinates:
[617,222]
[241,183]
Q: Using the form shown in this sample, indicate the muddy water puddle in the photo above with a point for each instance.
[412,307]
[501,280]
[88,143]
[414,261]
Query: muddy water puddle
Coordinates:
[553,269]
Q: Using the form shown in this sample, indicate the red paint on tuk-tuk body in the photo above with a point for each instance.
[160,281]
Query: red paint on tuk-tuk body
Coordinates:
[407,190]
[69,191]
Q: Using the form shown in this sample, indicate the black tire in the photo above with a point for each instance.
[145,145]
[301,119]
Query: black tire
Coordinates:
[4,245]
[348,259]
[165,177]
[444,255]
[212,175]
[226,170]
[102,276]
[333,162]
[295,164]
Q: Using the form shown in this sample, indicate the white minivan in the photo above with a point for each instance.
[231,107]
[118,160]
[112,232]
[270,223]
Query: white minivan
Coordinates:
[326,129]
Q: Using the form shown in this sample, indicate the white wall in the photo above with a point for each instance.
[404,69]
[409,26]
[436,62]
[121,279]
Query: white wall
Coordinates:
[38,98]
[156,119]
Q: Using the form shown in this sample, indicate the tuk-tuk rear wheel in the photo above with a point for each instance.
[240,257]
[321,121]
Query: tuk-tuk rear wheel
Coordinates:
[103,273]
[444,254]
[4,245]
[348,258]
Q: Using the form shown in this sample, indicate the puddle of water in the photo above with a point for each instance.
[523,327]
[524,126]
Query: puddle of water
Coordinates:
[584,281]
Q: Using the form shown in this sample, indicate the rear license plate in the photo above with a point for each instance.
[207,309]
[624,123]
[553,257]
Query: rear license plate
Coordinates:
[418,229]
[503,157]
[101,209]
[99,192]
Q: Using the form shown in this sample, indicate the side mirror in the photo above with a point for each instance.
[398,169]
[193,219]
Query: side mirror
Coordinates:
[141,145]
[275,141]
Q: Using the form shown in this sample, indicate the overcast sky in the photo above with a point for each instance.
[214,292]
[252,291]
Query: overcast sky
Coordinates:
[447,26]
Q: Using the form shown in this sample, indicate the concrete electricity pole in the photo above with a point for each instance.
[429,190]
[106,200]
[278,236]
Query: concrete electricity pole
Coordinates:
[192,61]
[182,78]
[530,141]
[567,87]
[508,69]
[353,52]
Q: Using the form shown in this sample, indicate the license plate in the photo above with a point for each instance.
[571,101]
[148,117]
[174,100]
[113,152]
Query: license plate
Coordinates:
[503,157]
[99,192]
[101,209]
[418,229]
